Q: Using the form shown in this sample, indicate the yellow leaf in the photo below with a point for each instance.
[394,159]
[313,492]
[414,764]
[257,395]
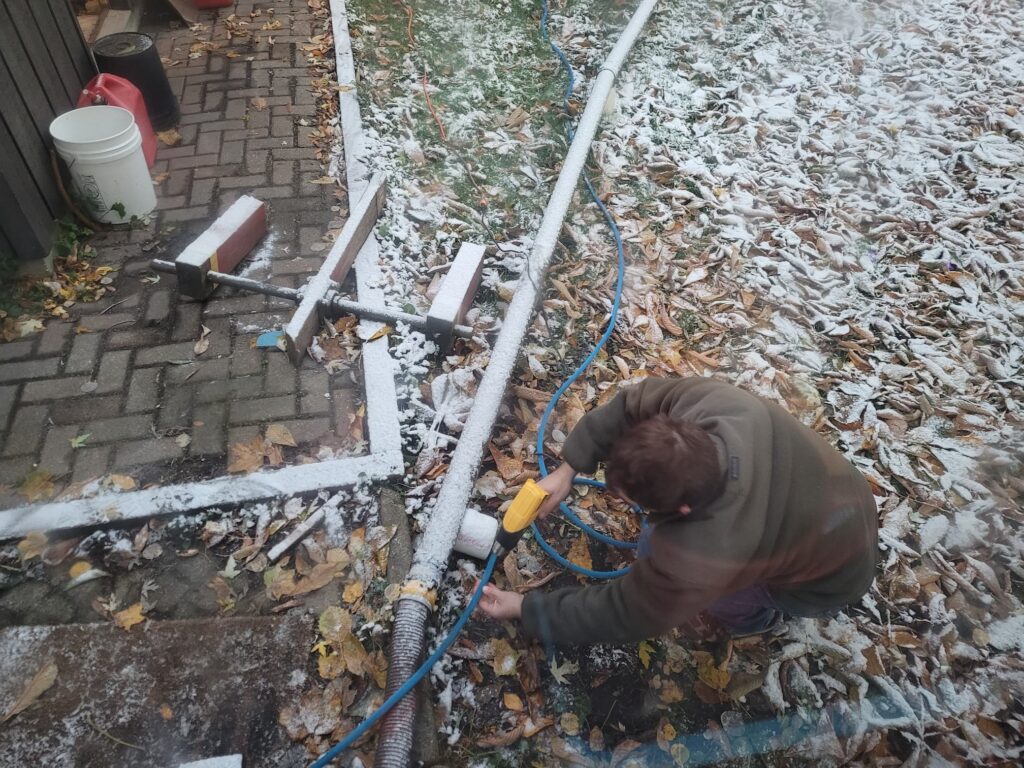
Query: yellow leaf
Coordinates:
[579,553]
[37,686]
[334,624]
[512,702]
[680,754]
[279,434]
[258,103]
[166,712]
[331,666]
[77,569]
[353,592]
[38,485]
[504,661]
[384,330]
[716,677]
[124,482]
[129,617]
[670,692]
[356,658]
[569,723]
[32,545]
[645,650]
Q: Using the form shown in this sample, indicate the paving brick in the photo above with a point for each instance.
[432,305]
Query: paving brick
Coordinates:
[91,463]
[244,182]
[137,337]
[158,308]
[236,109]
[201,370]
[274,193]
[82,409]
[54,337]
[231,151]
[144,390]
[26,430]
[284,172]
[187,323]
[192,94]
[242,434]
[208,430]
[13,471]
[278,144]
[13,350]
[53,389]
[84,353]
[296,266]
[234,305]
[57,452]
[281,376]
[164,354]
[245,388]
[113,370]
[29,369]
[103,322]
[8,397]
[217,171]
[179,182]
[175,407]
[119,428]
[262,409]
[196,161]
[214,101]
[209,143]
[150,451]
[245,360]
[308,430]
[202,191]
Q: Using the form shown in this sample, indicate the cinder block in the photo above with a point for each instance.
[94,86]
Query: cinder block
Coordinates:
[228,240]
[455,296]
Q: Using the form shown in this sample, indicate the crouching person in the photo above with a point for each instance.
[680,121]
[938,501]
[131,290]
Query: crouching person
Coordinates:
[753,518]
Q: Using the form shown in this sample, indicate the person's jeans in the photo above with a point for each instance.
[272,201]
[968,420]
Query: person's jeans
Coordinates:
[749,611]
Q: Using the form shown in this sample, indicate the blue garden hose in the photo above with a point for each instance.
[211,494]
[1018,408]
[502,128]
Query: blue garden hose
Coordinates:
[418,675]
[488,571]
[612,317]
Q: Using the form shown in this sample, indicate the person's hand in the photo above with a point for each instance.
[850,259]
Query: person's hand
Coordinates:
[501,605]
[558,484]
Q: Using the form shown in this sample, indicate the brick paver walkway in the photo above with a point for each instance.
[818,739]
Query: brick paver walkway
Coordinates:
[132,381]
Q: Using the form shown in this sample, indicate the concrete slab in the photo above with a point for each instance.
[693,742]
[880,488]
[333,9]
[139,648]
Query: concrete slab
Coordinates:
[177,690]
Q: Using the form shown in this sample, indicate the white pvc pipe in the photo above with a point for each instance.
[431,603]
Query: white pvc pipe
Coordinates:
[439,537]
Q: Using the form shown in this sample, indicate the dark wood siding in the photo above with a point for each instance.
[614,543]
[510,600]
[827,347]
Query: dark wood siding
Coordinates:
[44,62]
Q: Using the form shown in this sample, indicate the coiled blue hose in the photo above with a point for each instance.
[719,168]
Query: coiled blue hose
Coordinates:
[418,675]
[612,317]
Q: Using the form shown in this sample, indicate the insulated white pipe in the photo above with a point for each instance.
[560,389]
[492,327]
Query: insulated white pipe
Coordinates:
[394,743]
[436,545]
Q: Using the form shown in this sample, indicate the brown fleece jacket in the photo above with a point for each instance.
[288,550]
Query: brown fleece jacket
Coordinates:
[795,515]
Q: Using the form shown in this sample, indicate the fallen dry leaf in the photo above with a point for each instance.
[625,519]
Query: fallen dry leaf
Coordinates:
[123,482]
[38,485]
[258,103]
[512,702]
[353,592]
[166,712]
[279,434]
[504,660]
[247,456]
[78,568]
[32,545]
[203,342]
[129,617]
[569,723]
[38,685]
[579,553]
[170,138]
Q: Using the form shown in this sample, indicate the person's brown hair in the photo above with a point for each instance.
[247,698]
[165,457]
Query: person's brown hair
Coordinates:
[663,464]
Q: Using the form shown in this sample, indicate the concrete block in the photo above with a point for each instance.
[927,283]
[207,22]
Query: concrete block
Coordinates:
[455,296]
[222,246]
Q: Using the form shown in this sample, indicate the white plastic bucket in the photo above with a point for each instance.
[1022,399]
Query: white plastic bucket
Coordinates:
[102,147]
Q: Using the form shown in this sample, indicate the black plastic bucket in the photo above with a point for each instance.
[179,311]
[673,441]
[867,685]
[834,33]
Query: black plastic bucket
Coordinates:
[133,56]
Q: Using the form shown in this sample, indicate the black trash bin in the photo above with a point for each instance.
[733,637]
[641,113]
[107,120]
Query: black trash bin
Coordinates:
[133,56]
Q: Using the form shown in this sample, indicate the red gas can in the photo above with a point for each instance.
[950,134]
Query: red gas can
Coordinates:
[118,92]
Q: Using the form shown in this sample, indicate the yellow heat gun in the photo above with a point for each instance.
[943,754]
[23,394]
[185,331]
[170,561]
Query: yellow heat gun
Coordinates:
[518,516]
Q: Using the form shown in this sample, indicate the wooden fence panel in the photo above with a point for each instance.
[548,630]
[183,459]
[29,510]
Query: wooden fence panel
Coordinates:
[44,63]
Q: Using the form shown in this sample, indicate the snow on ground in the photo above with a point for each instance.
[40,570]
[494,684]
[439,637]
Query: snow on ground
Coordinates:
[823,203]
